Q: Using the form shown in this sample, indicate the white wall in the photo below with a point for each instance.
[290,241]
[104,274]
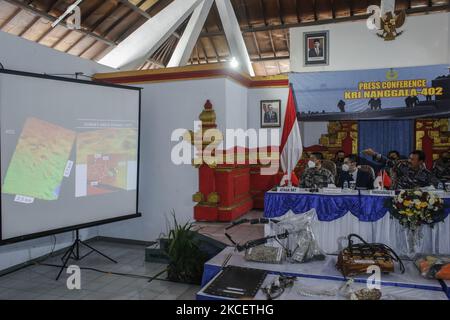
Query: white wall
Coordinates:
[312,131]
[165,186]
[256,95]
[254,105]
[20,54]
[425,41]
[236,105]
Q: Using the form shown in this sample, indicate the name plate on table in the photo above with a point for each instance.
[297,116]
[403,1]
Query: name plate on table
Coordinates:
[331,190]
[388,193]
[288,189]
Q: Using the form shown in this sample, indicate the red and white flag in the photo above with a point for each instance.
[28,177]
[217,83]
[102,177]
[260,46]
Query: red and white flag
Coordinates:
[291,143]
[383,180]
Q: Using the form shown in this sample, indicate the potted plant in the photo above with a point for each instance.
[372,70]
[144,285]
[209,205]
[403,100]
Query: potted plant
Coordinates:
[186,260]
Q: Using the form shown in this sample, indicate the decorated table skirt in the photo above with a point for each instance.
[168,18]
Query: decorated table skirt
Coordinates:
[336,216]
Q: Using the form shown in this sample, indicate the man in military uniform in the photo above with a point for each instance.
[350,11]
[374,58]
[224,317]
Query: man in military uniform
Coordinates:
[441,168]
[270,116]
[341,105]
[339,161]
[316,176]
[408,174]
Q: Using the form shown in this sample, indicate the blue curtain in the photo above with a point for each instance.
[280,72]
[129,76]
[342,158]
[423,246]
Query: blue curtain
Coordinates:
[386,135]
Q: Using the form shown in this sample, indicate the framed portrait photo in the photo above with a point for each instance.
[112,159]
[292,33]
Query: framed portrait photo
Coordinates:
[316,47]
[270,113]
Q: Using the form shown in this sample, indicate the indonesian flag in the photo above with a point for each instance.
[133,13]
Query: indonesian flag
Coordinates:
[383,180]
[291,143]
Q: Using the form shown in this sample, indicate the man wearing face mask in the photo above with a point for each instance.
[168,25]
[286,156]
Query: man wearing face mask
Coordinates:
[350,172]
[441,168]
[316,176]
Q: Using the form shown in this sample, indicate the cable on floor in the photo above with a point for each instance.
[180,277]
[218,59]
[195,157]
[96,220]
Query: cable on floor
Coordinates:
[137,276]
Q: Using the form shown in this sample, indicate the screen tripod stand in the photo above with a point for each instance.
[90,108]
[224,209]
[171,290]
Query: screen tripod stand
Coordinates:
[74,253]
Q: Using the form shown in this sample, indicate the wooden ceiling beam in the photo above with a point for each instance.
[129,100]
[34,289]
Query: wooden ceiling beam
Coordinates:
[115,24]
[216,53]
[280,11]
[412,11]
[28,26]
[315,10]
[51,18]
[92,28]
[204,51]
[278,66]
[297,9]
[350,7]
[150,11]
[150,60]
[258,50]
[244,12]
[265,59]
[10,18]
[263,10]
[333,8]
[136,8]
[286,38]
[271,58]
[98,23]
[69,32]
[50,29]
[272,44]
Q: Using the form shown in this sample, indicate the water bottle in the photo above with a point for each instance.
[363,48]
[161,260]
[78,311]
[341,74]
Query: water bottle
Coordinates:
[345,185]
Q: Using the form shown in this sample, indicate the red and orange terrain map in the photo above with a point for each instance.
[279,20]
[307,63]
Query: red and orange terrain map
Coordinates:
[106,154]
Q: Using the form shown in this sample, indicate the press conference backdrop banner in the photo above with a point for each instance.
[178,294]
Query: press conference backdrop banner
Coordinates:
[395,93]
[69,153]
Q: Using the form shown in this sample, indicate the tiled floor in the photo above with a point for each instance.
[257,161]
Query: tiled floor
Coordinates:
[240,233]
[38,281]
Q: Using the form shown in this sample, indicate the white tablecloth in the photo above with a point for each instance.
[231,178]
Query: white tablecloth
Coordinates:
[332,235]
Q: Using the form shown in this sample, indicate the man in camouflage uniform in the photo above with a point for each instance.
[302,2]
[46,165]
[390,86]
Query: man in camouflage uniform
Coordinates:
[441,168]
[407,174]
[316,176]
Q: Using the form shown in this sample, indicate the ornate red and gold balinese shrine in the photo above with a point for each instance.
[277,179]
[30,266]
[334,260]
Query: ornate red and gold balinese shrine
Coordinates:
[227,191]
[231,184]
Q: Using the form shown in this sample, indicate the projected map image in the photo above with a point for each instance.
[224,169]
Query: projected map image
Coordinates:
[39,161]
[106,161]
[106,173]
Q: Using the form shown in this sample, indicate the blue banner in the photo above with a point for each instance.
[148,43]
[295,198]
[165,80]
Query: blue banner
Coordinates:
[395,93]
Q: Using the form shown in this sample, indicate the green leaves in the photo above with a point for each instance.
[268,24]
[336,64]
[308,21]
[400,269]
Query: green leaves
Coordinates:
[186,258]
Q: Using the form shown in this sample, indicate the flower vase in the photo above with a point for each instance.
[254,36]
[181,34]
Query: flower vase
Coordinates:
[414,241]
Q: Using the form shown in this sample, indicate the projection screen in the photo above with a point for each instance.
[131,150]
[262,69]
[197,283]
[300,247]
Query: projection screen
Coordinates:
[69,154]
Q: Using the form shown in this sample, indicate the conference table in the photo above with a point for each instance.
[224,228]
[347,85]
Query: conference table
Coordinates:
[323,275]
[353,211]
